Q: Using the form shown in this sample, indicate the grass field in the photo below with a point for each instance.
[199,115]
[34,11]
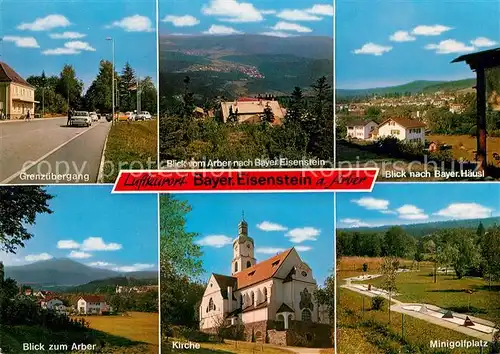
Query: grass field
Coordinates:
[463,146]
[12,339]
[232,347]
[130,145]
[449,292]
[137,326]
[369,332]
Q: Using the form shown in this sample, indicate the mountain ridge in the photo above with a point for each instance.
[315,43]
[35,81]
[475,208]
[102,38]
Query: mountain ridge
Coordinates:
[65,272]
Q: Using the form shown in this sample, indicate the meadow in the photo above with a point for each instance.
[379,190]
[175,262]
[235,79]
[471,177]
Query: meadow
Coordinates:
[449,292]
[237,347]
[130,145]
[369,331]
[136,326]
[463,146]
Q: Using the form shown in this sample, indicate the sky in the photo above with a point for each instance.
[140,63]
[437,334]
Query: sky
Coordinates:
[91,226]
[46,35]
[281,18]
[276,222]
[388,42]
[401,203]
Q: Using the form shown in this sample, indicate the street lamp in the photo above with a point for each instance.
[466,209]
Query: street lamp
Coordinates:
[113,77]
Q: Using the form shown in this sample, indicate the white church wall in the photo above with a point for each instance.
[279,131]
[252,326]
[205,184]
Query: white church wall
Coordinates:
[255,316]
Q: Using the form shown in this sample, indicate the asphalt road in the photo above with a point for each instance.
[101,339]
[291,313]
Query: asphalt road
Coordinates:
[47,151]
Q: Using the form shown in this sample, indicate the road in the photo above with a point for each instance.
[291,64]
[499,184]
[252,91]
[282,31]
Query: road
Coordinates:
[47,151]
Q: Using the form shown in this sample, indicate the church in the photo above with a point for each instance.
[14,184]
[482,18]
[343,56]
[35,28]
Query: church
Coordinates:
[273,300]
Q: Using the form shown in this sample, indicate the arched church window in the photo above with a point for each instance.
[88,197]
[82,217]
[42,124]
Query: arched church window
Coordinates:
[235,267]
[249,264]
[265,294]
[211,305]
[306,315]
[253,298]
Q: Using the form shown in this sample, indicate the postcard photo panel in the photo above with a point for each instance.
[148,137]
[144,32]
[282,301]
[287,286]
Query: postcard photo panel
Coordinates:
[246,84]
[63,113]
[417,89]
[247,272]
[417,268]
[78,276]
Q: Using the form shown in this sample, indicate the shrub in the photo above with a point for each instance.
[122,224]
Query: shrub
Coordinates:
[365,267]
[377,303]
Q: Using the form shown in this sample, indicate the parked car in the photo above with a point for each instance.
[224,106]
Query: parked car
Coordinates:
[127,116]
[144,115]
[81,118]
[94,116]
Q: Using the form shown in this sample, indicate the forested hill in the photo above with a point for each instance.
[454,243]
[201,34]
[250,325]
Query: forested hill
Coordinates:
[422,229]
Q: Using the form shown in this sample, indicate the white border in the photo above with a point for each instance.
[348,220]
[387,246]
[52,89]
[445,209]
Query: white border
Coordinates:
[215,171]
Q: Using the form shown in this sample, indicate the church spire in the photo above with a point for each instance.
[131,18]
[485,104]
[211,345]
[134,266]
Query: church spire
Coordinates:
[243,226]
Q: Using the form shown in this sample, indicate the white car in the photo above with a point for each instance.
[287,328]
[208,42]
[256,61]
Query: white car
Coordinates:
[144,115]
[81,118]
[94,116]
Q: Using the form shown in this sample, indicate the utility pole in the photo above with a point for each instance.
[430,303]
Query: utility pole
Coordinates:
[113,77]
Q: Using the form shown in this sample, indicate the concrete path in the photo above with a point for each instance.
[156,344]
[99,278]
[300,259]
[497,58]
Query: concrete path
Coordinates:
[432,313]
[30,150]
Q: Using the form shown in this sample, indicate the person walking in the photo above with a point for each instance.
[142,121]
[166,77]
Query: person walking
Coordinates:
[28,115]
[70,114]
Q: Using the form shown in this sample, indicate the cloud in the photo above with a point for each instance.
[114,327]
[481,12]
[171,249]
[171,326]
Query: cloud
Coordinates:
[70,48]
[98,244]
[134,268]
[269,250]
[372,203]
[276,34]
[61,51]
[271,226]
[22,42]
[387,212]
[37,257]
[233,11]
[402,36]
[79,255]
[182,21]
[217,241]
[373,49]
[354,222]
[67,244]
[67,35]
[135,23]
[299,235]
[100,264]
[449,46]
[465,211]
[480,42]
[298,15]
[218,29]
[303,248]
[322,10]
[411,212]
[288,26]
[45,23]
[79,45]
[435,30]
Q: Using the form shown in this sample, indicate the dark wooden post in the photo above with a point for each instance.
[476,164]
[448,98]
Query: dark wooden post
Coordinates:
[481,116]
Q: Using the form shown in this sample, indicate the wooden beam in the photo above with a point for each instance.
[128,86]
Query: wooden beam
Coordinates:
[481,116]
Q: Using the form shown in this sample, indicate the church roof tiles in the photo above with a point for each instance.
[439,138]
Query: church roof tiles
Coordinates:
[261,271]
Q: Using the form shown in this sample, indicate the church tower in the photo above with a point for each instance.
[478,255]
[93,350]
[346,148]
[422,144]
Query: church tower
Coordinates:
[243,249]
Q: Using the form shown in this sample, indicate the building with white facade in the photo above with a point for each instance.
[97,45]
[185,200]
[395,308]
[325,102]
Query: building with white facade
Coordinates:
[53,303]
[361,129]
[270,298]
[91,305]
[409,130]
